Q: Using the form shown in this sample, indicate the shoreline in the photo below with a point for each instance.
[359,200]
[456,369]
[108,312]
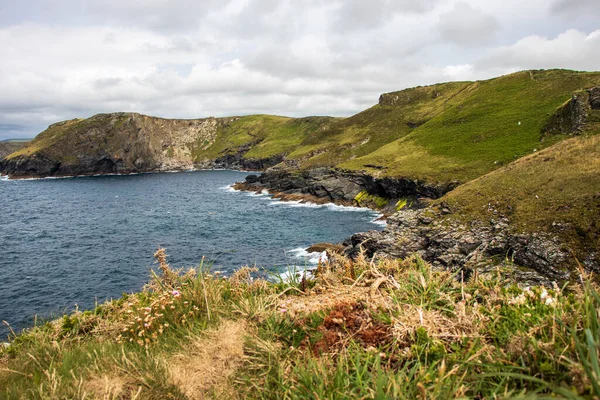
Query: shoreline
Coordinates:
[8,178]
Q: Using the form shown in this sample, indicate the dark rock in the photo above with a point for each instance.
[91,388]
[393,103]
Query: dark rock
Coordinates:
[594,97]
[454,245]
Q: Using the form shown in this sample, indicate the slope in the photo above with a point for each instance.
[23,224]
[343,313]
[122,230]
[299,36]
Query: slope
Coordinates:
[483,126]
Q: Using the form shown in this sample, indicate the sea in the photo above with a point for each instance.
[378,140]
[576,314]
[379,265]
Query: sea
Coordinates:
[72,243]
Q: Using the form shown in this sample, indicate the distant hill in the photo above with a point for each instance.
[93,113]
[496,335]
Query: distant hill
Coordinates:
[11,145]
[445,132]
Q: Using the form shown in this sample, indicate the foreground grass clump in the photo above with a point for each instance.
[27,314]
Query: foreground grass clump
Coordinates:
[357,329]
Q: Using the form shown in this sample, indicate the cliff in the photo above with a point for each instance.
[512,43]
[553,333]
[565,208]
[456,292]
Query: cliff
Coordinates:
[10,146]
[131,142]
[449,132]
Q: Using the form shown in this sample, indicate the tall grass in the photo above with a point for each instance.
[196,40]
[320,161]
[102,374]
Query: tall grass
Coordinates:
[353,329]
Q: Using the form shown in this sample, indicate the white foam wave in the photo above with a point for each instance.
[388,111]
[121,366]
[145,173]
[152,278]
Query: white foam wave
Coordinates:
[310,258]
[380,222]
[260,194]
[336,207]
[229,188]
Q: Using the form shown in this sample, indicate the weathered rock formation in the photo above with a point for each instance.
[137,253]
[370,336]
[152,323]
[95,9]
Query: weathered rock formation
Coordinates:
[448,243]
[344,187]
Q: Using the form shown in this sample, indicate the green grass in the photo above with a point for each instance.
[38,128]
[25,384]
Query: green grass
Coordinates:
[556,190]
[488,124]
[265,135]
[392,329]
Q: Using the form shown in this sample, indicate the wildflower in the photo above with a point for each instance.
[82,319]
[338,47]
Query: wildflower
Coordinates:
[544,294]
[550,302]
[176,293]
[519,300]
[166,324]
[147,325]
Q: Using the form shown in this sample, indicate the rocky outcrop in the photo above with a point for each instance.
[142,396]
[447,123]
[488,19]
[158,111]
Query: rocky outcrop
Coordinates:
[447,243]
[344,187]
[594,101]
[122,143]
[571,118]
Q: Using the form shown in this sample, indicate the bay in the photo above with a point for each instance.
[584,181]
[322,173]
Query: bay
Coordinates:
[78,241]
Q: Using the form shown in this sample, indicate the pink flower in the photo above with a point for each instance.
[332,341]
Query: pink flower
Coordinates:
[176,293]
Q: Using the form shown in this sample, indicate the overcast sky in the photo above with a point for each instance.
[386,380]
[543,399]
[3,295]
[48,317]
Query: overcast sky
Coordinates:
[62,59]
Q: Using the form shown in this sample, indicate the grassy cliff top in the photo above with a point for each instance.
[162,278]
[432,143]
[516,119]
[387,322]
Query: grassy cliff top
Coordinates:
[480,127]
[391,329]
[555,190]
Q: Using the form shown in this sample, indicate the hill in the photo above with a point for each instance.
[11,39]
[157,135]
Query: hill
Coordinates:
[440,133]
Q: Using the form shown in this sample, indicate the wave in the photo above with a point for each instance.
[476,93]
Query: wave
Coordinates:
[229,188]
[310,258]
[378,221]
[263,193]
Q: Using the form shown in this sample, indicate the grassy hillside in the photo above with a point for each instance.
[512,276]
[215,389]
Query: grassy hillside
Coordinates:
[556,189]
[488,124]
[393,329]
[264,135]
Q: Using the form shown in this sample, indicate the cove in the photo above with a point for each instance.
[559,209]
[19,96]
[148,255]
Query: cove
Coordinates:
[78,241]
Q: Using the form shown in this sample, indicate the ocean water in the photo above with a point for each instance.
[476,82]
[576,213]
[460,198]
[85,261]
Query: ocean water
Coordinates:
[77,241]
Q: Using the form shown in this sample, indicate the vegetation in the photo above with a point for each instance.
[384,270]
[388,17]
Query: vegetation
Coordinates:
[484,126]
[358,329]
[261,136]
[555,190]
[453,131]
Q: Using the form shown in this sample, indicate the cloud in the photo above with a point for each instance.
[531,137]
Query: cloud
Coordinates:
[571,49]
[575,8]
[466,25]
[360,14]
[192,59]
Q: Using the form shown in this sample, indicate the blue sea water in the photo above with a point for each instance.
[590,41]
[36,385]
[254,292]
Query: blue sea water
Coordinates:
[78,241]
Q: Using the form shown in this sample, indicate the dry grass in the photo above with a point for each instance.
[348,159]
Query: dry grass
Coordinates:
[205,365]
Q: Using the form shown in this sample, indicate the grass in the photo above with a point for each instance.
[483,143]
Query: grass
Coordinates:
[556,190]
[263,136]
[454,131]
[357,329]
[486,125]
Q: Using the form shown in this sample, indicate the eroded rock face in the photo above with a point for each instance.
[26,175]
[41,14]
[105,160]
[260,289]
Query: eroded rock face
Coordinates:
[342,187]
[126,143]
[446,243]
[594,98]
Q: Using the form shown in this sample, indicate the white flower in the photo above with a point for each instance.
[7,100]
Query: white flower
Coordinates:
[544,294]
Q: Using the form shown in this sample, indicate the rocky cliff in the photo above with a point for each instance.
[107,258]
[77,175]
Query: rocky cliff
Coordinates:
[129,142]
[514,146]
[9,146]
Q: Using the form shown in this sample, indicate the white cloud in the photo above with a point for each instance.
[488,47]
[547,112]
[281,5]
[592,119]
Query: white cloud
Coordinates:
[571,49]
[184,58]
[467,25]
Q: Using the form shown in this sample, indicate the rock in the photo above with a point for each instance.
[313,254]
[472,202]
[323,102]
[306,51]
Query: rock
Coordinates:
[594,100]
[454,245]
[327,247]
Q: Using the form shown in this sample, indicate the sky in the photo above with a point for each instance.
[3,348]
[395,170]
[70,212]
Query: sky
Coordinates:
[63,59]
